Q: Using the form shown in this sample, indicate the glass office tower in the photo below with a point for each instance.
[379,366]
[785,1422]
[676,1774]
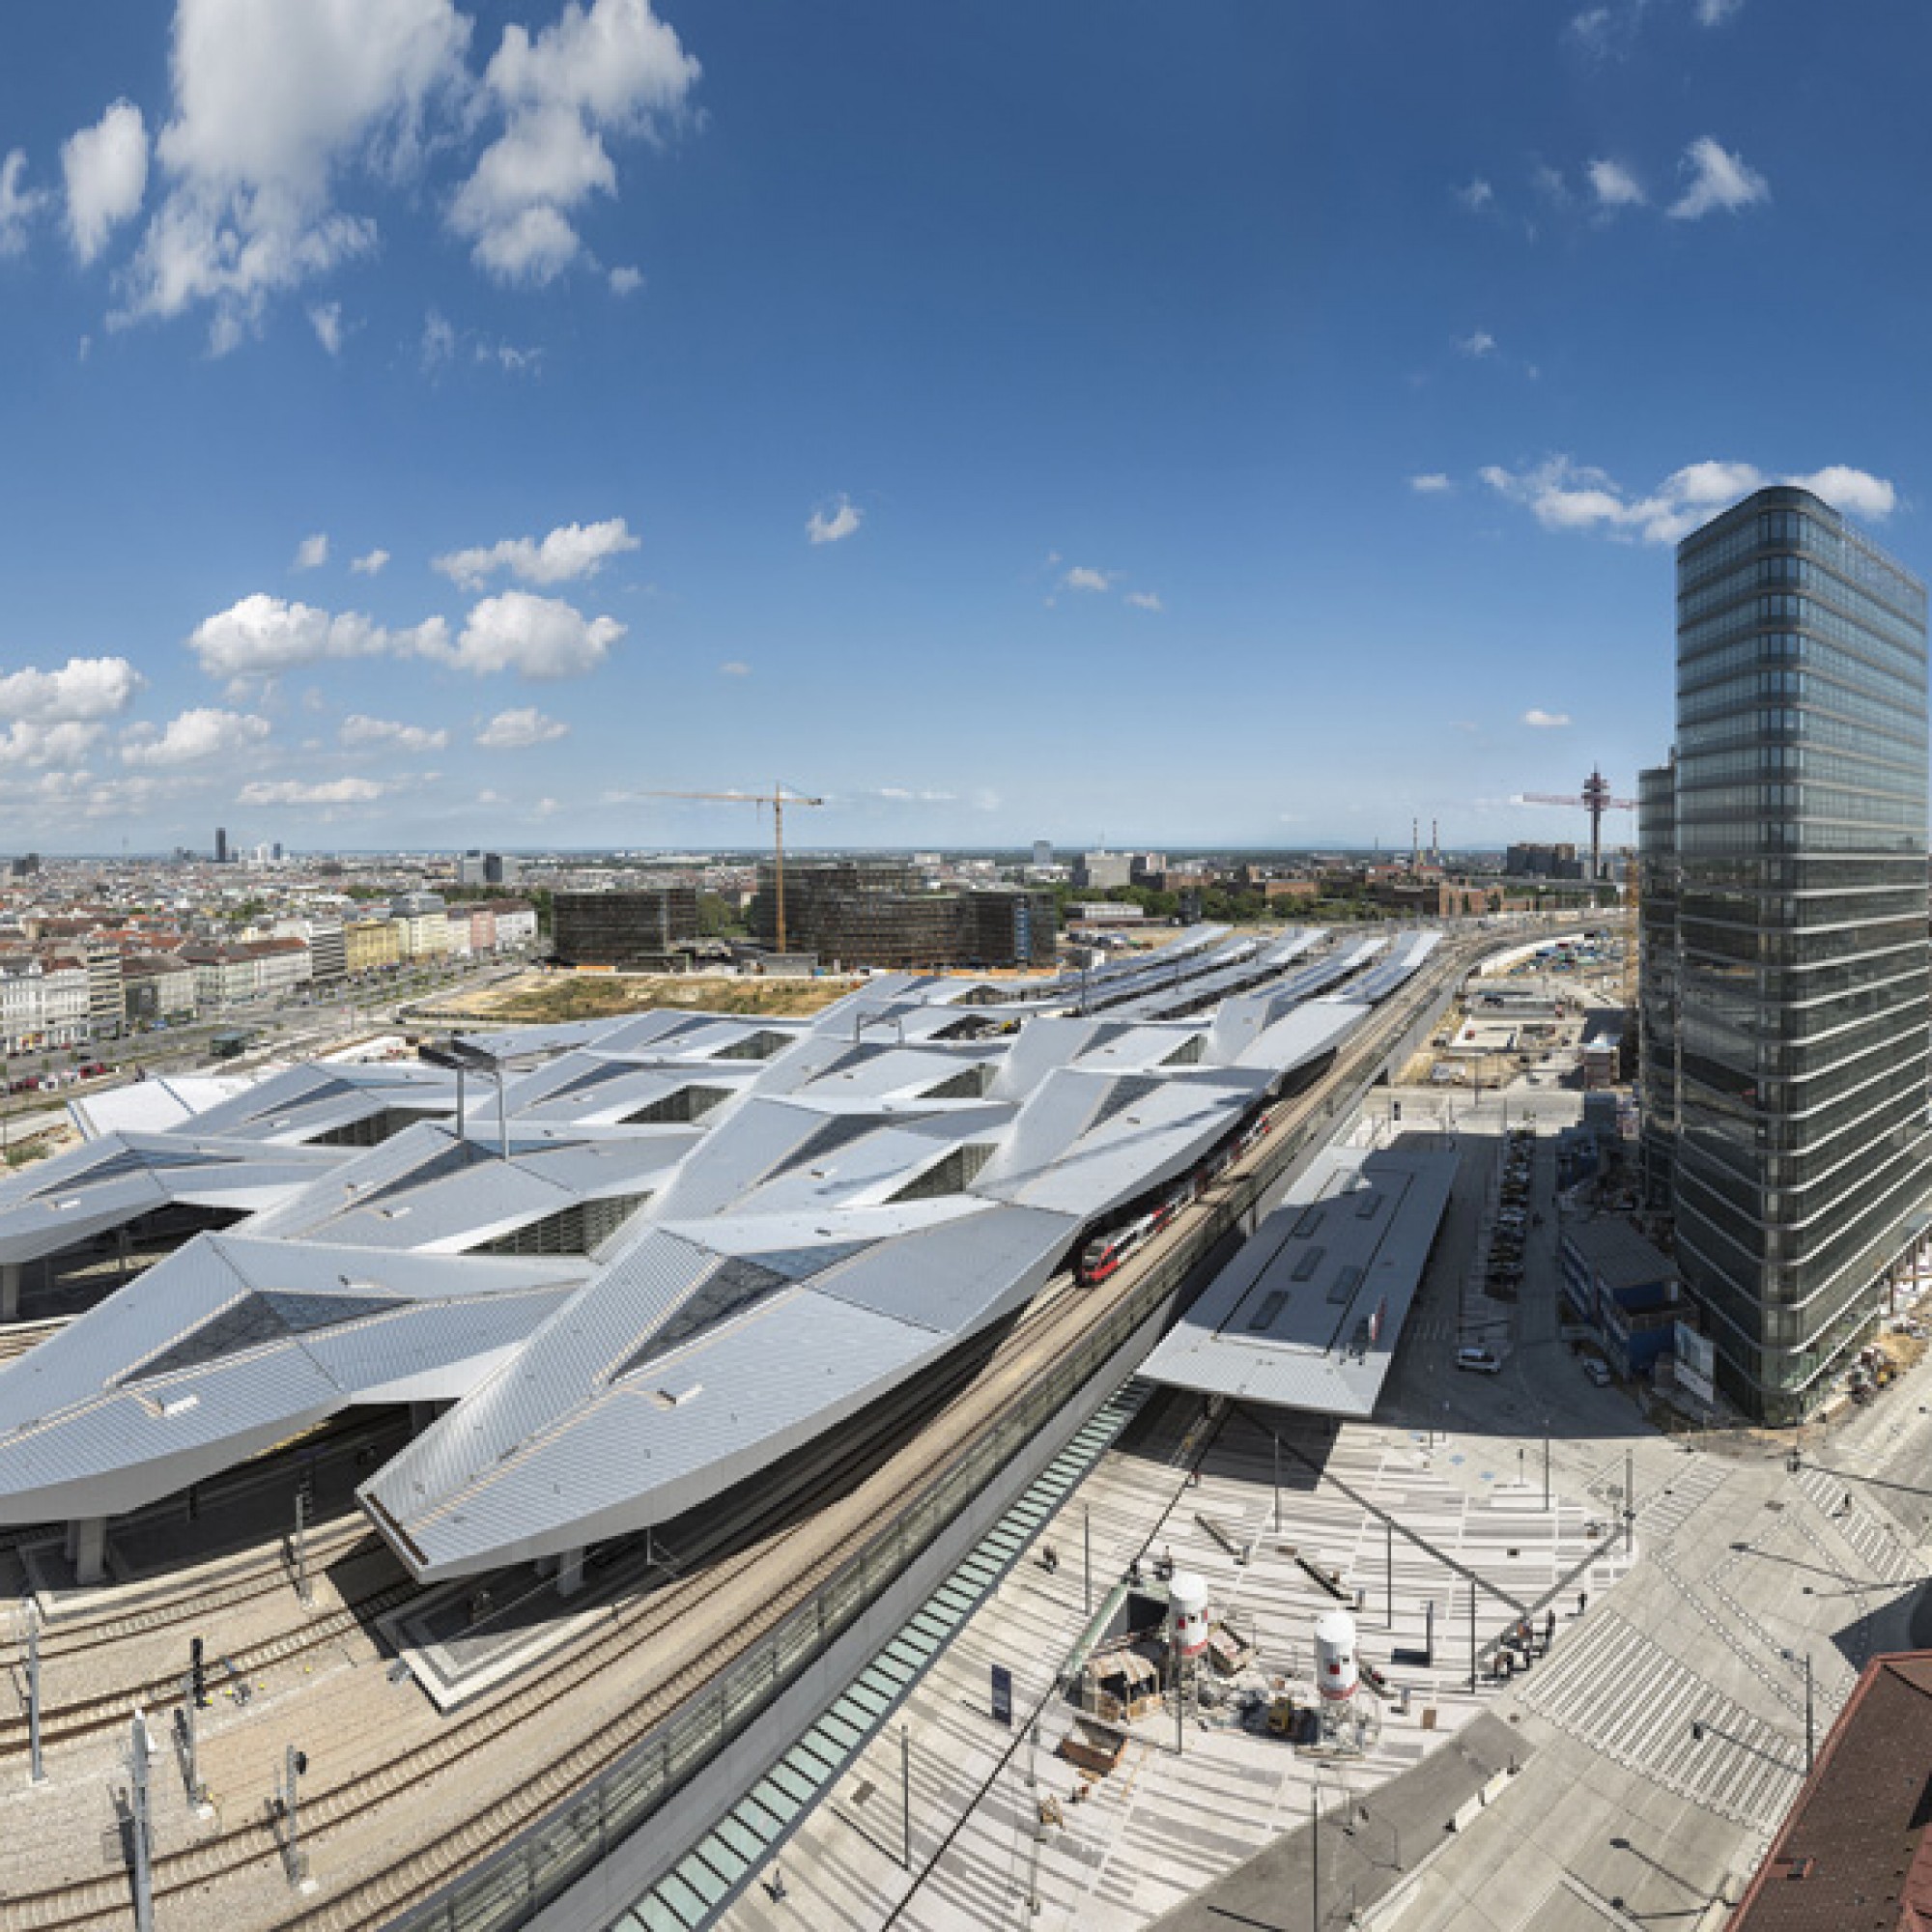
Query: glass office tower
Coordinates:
[1798,1158]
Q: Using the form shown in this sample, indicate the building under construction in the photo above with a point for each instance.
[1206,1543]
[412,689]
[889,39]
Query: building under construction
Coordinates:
[632,931]
[877,913]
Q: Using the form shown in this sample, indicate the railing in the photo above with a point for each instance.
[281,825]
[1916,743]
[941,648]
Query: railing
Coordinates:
[537,1865]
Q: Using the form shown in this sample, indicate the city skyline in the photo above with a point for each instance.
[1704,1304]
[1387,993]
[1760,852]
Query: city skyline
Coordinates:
[567,402]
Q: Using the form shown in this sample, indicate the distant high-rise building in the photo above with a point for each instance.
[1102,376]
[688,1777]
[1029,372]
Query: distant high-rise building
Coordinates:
[1099,872]
[640,931]
[1793,962]
[221,845]
[1043,851]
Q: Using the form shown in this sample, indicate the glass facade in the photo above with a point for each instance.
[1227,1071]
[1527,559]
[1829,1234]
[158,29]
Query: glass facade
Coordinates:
[1785,968]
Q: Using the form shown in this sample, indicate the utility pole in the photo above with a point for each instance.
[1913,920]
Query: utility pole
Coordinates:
[36,1770]
[1809,1729]
[1388,1528]
[294,1764]
[905,1786]
[1314,1852]
[197,1798]
[144,1876]
[304,1502]
[1472,1638]
[1630,1499]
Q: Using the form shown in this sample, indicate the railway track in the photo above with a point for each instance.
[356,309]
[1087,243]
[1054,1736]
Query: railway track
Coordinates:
[756,1573]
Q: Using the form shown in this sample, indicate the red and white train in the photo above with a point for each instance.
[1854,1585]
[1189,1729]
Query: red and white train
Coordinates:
[1104,1253]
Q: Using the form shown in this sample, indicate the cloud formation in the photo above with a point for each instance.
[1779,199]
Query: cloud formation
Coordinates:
[1144,599]
[263,636]
[194,737]
[359,731]
[1614,185]
[1545,720]
[369,563]
[1432,483]
[612,70]
[835,524]
[81,689]
[1716,183]
[326,791]
[274,108]
[517,730]
[1564,495]
[106,168]
[312,553]
[1080,578]
[1477,345]
[569,551]
[539,638]
[326,319]
[18,206]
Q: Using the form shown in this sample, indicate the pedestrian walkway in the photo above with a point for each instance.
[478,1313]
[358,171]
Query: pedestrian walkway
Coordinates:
[1633,1702]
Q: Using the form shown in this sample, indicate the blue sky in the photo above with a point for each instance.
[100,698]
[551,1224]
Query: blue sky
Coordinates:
[1246,424]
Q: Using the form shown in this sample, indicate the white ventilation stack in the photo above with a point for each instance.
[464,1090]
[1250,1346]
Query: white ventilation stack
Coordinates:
[1335,1675]
[1187,1594]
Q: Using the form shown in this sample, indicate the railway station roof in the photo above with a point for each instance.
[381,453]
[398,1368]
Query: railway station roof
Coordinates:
[712,1238]
[1307,1313]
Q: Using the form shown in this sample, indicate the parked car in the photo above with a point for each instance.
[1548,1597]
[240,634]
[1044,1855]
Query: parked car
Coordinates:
[1598,1373]
[1480,1361]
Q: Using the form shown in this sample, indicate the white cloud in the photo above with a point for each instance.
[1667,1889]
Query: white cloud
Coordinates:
[1081,577]
[369,563]
[835,524]
[358,730]
[439,341]
[31,741]
[507,356]
[1482,343]
[312,553]
[326,319]
[274,105]
[1432,483]
[1615,185]
[626,281]
[106,171]
[1476,195]
[1145,600]
[1595,29]
[1716,183]
[614,69]
[81,689]
[18,206]
[545,808]
[517,730]
[569,551]
[733,669]
[262,636]
[1545,720]
[537,637]
[1563,495]
[327,791]
[1714,13]
[194,737]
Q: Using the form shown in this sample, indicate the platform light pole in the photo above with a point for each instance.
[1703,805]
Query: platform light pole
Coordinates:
[1087,1553]
[1545,1463]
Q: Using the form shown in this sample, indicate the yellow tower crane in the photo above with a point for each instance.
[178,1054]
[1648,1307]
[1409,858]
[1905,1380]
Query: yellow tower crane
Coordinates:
[778,798]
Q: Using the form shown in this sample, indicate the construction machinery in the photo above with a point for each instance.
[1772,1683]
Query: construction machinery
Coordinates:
[778,798]
[1595,798]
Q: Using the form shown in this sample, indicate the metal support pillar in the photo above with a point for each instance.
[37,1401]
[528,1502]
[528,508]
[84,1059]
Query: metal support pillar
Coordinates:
[570,1573]
[35,1769]
[10,1291]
